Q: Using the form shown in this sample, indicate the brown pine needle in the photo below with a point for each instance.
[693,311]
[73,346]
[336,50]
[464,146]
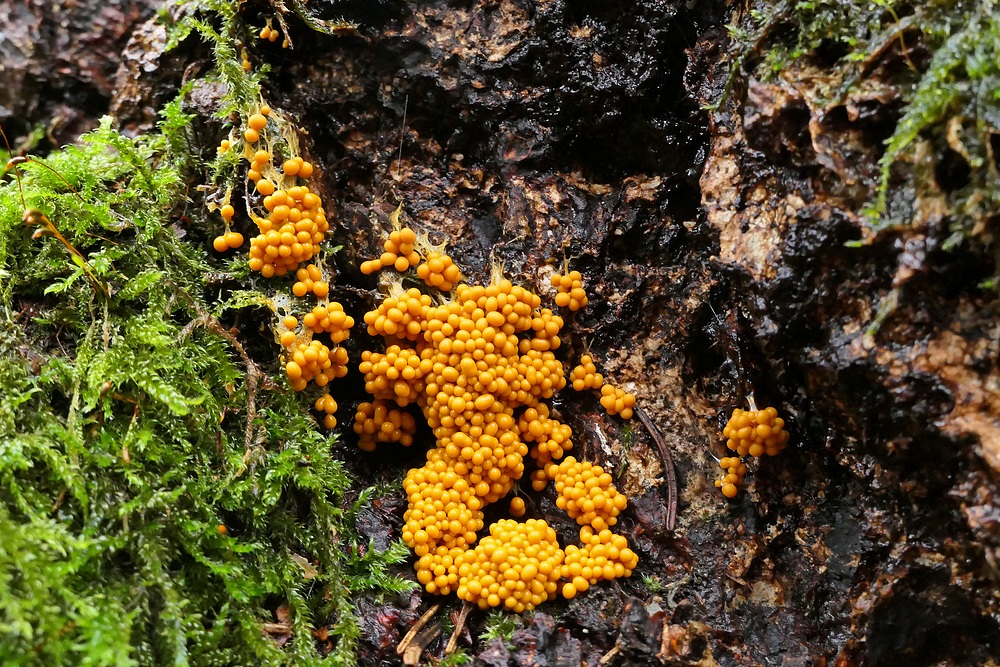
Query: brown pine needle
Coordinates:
[668,465]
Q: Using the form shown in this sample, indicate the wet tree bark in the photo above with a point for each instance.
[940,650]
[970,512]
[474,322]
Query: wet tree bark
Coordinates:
[714,245]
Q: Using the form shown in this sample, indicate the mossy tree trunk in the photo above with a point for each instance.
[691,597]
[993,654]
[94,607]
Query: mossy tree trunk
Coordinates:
[714,198]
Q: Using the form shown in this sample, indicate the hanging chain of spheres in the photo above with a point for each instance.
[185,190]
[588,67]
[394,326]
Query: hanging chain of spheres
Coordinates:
[750,432]
[291,225]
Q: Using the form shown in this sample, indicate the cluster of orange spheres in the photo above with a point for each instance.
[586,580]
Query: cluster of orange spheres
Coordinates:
[732,479]
[749,433]
[394,375]
[585,376]
[439,271]
[617,401]
[296,223]
[586,493]
[312,361]
[376,422]
[310,279]
[548,438]
[517,566]
[756,432]
[603,555]
[400,316]
[255,125]
[269,33]
[399,252]
[479,366]
[229,239]
[326,404]
[291,234]
[329,318]
[570,292]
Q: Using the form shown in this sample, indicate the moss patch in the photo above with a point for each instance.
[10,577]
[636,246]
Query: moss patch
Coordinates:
[161,500]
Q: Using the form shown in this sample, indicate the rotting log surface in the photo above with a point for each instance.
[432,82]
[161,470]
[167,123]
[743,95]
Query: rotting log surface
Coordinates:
[713,245]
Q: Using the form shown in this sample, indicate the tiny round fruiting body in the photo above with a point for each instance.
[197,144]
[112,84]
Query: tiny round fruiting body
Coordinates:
[517,508]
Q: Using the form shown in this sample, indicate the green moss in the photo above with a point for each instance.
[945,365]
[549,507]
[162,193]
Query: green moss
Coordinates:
[948,83]
[157,505]
[499,625]
[455,658]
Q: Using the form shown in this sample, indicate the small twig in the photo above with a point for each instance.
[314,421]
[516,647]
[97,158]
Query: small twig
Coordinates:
[609,656]
[59,500]
[402,136]
[459,625]
[205,319]
[668,464]
[277,628]
[421,622]
[411,656]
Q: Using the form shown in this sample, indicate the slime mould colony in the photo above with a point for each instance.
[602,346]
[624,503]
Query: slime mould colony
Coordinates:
[479,363]
[750,432]
[477,360]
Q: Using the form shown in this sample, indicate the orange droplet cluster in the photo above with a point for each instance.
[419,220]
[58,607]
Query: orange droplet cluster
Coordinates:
[402,251]
[312,361]
[517,507]
[617,401]
[517,566]
[546,326]
[585,376]
[310,279]
[732,479]
[296,223]
[229,239]
[570,292]
[269,33]
[750,432]
[439,271]
[586,493]
[255,124]
[326,404]
[549,438]
[756,432]
[399,252]
[603,556]
[330,318]
[292,232]
[396,375]
[478,366]
[400,317]
[376,422]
